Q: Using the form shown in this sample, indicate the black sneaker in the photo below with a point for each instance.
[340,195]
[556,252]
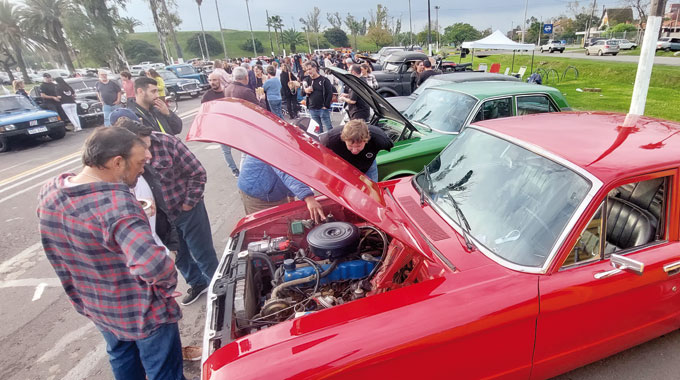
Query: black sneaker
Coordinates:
[193,294]
[235,172]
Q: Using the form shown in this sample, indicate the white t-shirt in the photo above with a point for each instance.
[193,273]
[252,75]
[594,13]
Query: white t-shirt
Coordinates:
[143,191]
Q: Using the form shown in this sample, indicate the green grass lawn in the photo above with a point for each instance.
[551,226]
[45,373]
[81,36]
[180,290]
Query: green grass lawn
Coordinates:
[659,53]
[616,80]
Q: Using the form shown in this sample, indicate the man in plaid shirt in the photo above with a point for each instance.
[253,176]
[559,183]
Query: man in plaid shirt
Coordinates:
[98,239]
[182,179]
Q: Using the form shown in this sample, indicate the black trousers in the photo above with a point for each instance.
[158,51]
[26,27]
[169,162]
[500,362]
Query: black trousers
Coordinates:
[292,106]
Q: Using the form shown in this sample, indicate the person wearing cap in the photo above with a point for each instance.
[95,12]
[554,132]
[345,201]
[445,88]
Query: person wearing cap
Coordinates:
[109,94]
[48,93]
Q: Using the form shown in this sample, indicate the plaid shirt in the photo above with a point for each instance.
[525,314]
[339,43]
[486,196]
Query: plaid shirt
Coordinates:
[98,240]
[182,176]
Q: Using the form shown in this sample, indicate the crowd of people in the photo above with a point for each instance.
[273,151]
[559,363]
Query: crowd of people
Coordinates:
[118,231]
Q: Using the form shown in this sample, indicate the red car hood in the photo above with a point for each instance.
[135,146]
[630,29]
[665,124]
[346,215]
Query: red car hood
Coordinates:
[251,129]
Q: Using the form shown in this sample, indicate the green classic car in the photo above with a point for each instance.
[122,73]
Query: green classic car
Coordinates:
[441,112]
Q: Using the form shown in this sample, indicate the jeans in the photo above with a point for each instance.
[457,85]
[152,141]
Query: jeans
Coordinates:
[322,117]
[71,111]
[196,257]
[226,151]
[275,106]
[372,172]
[107,109]
[156,357]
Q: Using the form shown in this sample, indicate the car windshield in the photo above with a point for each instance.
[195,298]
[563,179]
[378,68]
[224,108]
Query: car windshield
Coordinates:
[612,42]
[516,202]
[15,103]
[442,110]
[392,67]
[166,75]
[185,70]
[82,85]
[431,82]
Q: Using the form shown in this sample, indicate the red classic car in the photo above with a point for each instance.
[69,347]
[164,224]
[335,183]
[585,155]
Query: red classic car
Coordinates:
[530,246]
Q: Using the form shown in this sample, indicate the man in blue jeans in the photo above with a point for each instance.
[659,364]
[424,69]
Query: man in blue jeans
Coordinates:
[182,179]
[319,92]
[109,94]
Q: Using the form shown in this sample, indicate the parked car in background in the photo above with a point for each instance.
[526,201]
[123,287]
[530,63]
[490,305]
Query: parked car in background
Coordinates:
[538,231]
[395,77]
[21,117]
[177,87]
[668,44]
[553,45]
[401,103]
[89,107]
[626,45]
[187,71]
[591,41]
[441,112]
[603,47]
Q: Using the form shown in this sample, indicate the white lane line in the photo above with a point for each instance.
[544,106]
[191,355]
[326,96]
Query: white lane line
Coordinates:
[39,291]
[30,282]
[193,110]
[212,147]
[21,257]
[86,365]
[5,199]
[188,116]
[39,174]
[65,341]
[11,167]
[39,168]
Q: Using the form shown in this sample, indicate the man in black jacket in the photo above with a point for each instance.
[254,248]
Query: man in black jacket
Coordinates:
[319,92]
[153,111]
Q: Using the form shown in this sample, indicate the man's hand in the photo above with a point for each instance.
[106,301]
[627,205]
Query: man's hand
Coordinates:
[315,209]
[186,207]
[309,90]
[162,107]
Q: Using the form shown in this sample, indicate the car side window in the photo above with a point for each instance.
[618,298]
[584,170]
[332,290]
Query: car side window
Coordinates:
[527,105]
[635,217]
[493,109]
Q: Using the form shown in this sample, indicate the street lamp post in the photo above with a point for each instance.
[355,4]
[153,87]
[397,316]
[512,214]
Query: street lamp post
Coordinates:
[252,36]
[524,22]
[429,30]
[410,21]
[200,17]
[436,23]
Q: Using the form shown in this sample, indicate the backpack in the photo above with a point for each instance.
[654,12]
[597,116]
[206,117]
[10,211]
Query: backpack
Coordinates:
[535,78]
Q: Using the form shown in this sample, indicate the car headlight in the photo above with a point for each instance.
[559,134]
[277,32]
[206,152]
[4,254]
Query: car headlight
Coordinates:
[197,81]
[8,127]
[84,105]
[53,119]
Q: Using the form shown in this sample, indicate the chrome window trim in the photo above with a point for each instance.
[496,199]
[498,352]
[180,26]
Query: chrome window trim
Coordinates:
[596,185]
[546,94]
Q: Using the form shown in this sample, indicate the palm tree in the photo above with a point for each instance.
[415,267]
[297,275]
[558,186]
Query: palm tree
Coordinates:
[12,34]
[128,24]
[44,19]
[103,17]
[292,38]
[277,23]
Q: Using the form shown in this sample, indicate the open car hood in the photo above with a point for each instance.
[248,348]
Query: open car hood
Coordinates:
[253,130]
[380,106]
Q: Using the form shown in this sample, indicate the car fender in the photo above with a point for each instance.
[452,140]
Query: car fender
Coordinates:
[387,91]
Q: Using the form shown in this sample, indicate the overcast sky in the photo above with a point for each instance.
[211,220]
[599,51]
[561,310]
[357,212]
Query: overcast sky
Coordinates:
[495,14]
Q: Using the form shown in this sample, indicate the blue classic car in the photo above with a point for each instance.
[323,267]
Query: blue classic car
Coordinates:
[186,71]
[21,117]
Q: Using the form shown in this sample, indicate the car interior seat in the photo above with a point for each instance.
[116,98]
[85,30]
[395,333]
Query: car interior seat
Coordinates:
[627,225]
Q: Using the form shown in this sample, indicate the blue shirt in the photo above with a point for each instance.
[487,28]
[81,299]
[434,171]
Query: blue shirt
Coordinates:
[273,88]
[259,180]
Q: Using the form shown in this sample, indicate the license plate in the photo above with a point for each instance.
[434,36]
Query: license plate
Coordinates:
[193,93]
[33,131]
[33,122]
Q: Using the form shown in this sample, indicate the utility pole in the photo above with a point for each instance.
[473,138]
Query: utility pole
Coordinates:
[646,61]
[524,21]
[429,30]
[590,20]
[224,45]
[252,36]
[436,23]
[410,21]
[205,43]
[271,44]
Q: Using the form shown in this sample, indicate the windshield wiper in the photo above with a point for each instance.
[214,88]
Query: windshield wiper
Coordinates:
[462,221]
[428,183]
[12,109]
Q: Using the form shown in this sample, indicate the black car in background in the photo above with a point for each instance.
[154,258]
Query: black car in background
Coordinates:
[395,77]
[176,87]
[89,106]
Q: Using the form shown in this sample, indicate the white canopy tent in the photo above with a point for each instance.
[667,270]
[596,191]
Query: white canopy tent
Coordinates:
[498,41]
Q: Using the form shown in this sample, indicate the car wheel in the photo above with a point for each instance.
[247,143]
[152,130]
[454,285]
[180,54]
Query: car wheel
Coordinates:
[587,52]
[4,144]
[600,53]
[667,49]
[195,96]
[615,53]
[57,134]
[561,51]
[173,95]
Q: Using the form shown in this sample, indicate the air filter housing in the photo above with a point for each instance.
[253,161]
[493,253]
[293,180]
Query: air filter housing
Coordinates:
[333,240]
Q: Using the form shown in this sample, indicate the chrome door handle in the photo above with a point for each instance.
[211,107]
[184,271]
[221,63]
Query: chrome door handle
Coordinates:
[608,273]
[672,269]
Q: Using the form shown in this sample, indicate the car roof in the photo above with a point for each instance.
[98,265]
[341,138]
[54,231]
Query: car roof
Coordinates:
[482,89]
[601,143]
[402,55]
[467,76]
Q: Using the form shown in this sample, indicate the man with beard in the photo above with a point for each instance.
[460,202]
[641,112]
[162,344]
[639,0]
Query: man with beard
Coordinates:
[152,111]
[99,242]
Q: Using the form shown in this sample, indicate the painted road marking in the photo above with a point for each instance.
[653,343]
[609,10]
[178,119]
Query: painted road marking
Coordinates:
[30,282]
[23,256]
[40,174]
[39,291]
[65,341]
[89,363]
[38,168]
[5,199]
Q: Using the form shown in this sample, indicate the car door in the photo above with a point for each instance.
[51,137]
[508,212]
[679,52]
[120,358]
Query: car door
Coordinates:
[589,310]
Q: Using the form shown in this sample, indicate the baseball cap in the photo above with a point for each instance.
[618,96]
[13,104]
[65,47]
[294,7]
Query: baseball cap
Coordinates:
[123,112]
[47,75]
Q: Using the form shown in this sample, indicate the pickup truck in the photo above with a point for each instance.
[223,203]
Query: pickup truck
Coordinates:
[553,45]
